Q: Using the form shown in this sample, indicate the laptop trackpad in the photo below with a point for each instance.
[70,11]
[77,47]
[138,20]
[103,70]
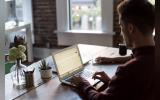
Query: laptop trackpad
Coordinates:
[92,81]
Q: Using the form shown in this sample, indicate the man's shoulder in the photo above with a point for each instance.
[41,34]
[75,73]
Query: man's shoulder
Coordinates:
[128,67]
[129,63]
[135,66]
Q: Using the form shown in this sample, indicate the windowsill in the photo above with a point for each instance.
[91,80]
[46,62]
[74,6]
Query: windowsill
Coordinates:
[16,28]
[84,32]
[84,37]
[11,25]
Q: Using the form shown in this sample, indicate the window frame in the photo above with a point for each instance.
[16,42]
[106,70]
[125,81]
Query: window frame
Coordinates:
[63,16]
[70,37]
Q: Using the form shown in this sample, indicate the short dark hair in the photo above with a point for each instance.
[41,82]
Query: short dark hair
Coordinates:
[141,13]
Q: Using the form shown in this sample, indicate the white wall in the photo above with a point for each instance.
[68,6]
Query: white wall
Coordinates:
[2,20]
[84,38]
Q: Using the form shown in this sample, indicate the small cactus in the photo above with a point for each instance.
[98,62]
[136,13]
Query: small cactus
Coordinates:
[43,65]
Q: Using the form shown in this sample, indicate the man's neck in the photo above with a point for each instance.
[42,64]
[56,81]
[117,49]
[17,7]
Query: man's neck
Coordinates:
[145,41]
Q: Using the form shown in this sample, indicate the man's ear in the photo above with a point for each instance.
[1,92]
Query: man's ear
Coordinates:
[130,28]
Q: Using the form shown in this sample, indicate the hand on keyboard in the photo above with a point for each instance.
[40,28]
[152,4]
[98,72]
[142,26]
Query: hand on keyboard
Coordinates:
[79,81]
[102,76]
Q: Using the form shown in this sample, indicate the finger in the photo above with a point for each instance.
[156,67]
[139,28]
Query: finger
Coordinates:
[99,73]
[98,58]
[75,80]
[96,73]
[77,75]
[97,77]
[101,58]
[74,77]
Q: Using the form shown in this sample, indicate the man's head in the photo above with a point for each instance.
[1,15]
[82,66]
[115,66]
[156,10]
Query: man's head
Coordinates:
[136,16]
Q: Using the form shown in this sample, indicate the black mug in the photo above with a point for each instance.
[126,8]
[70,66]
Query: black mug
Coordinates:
[122,49]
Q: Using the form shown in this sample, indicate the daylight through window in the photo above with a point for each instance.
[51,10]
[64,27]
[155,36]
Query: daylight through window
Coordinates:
[85,15]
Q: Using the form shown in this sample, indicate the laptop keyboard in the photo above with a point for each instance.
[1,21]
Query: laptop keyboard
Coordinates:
[86,74]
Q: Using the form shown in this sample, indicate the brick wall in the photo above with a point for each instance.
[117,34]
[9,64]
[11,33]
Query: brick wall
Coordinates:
[44,16]
[44,13]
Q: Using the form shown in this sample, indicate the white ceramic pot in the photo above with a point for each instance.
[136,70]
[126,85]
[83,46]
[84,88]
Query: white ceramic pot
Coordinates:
[47,73]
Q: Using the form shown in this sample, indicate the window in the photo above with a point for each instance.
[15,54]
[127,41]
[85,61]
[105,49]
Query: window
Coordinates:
[152,1]
[71,29]
[18,12]
[14,11]
[85,15]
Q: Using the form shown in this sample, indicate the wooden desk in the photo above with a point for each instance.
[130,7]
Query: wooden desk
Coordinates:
[53,89]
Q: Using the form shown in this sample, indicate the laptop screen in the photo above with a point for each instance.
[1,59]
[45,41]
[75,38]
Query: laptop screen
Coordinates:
[67,61]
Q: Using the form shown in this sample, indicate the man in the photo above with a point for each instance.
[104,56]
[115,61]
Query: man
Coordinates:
[132,80]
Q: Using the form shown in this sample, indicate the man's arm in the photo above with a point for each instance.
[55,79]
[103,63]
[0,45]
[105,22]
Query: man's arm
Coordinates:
[118,88]
[116,60]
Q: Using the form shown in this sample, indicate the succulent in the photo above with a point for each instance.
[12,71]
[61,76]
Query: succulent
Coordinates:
[44,65]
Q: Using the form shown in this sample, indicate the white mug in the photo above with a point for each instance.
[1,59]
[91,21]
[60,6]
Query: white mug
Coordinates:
[47,73]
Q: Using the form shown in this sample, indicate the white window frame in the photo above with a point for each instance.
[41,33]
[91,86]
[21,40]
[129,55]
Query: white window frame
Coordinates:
[2,67]
[62,10]
[27,12]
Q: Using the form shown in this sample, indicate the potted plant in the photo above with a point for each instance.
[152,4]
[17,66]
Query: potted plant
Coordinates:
[45,70]
[17,55]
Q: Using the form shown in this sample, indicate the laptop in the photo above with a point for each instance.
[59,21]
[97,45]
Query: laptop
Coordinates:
[68,63]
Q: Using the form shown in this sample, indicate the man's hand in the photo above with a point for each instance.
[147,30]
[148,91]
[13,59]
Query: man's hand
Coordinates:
[103,60]
[102,76]
[79,81]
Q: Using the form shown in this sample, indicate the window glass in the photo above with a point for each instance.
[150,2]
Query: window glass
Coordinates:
[152,1]
[14,13]
[85,15]
[19,10]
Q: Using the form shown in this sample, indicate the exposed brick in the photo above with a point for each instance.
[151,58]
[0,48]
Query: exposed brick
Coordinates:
[44,15]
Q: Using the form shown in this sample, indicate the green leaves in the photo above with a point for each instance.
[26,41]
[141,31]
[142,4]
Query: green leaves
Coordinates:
[21,48]
[43,65]
[17,53]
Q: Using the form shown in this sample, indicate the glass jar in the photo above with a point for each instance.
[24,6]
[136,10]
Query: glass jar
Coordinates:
[17,73]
